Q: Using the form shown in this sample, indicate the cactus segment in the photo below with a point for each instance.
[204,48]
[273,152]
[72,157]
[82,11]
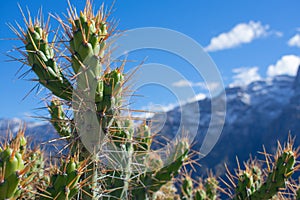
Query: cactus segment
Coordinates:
[187,188]
[64,183]
[40,56]
[58,118]
[12,167]
[277,178]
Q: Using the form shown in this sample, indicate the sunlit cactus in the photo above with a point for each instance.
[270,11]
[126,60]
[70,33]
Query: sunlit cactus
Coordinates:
[187,188]
[257,183]
[58,118]
[137,171]
[12,166]
[41,58]
[201,189]
[64,181]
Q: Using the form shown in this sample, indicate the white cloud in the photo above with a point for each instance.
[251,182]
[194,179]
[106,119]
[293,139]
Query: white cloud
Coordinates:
[198,97]
[203,85]
[277,33]
[287,64]
[240,34]
[182,83]
[149,110]
[245,75]
[213,86]
[294,41]
[186,83]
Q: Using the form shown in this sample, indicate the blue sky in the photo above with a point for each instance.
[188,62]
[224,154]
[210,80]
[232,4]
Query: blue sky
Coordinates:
[248,40]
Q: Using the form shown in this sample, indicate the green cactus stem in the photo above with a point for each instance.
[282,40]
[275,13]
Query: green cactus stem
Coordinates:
[64,183]
[12,167]
[277,178]
[155,177]
[41,58]
[187,188]
[58,118]
[211,187]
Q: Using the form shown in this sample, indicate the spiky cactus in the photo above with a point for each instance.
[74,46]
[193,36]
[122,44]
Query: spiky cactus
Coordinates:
[137,171]
[282,170]
[12,167]
[187,188]
[64,181]
[41,58]
[206,189]
[257,183]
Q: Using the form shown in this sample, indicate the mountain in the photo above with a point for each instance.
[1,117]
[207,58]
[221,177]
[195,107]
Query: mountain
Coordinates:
[256,114]
[39,133]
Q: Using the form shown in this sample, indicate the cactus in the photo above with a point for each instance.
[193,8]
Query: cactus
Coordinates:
[257,183]
[207,189]
[12,167]
[58,118]
[283,169]
[187,188]
[64,182]
[125,167]
[87,35]
[42,61]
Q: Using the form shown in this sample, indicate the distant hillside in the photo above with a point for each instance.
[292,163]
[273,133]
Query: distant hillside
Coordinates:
[40,133]
[259,113]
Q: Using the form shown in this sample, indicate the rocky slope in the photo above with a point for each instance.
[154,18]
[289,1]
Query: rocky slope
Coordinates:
[256,114]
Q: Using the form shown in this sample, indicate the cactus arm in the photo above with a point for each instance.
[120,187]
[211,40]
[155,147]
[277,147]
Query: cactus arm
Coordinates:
[64,183]
[150,182]
[58,118]
[187,188]
[40,56]
[12,167]
[283,169]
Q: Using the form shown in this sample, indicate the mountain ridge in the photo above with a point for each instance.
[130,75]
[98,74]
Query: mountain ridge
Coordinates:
[257,114]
